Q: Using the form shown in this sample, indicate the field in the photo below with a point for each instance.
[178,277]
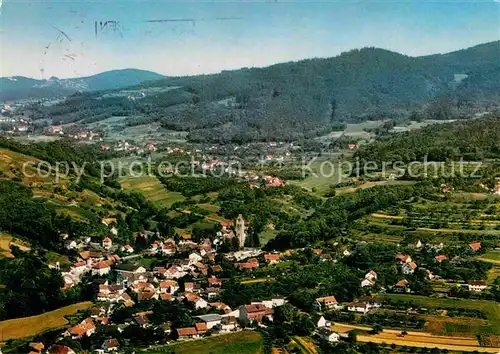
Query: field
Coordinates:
[304,344]
[327,175]
[452,325]
[31,326]
[152,189]
[244,342]
[491,256]
[6,241]
[416,339]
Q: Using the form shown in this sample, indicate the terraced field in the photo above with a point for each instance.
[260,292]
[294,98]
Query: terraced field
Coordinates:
[152,189]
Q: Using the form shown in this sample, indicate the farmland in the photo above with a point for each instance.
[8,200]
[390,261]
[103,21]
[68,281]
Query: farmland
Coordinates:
[416,339]
[491,308]
[152,189]
[6,241]
[30,326]
[244,342]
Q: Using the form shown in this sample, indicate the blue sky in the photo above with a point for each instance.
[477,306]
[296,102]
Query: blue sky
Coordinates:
[226,34]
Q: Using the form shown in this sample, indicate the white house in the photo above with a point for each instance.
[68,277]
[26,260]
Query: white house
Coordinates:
[322,322]
[329,302]
[362,307]
[194,258]
[101,268]
[367,282]
[478,285]
[329,335]
[409,268]
[371,275]
[70,244]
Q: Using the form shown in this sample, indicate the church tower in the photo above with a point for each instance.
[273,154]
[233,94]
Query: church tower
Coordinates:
[240,231]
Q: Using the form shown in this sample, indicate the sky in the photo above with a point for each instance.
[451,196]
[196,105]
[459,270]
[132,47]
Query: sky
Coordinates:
[69,38]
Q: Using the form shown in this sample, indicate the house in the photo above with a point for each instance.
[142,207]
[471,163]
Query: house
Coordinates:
[168,286]
[60,349]
[199,303]
[84,328]
[329,302]
[402,286]
[195,257]
[371,275]
[475,246]
[409,268]
[367,282]
[127,248]
[37,347]
[403,258]
[478,285]
[101,268]
[107,243]
[201,327]
[251,263]
[323,323]
[361,307]
[55,129]
[70,244]
[270,303]
[220,306]
[187,333]
[142,319]
[440,258]
[328,335]
[228,323]
[272,258]
[254,312]
[174,272]
[110,345]
[213,281]
[210,320]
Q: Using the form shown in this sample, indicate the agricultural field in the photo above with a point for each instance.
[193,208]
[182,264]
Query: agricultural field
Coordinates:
[434,219]
[6,241]
[327,175]
[243,342]
[305,345]
[492,256]
[152,189]
[451,325]
[30,326]
[416,339]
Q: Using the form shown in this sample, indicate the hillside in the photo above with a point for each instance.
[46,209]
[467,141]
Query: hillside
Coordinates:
[473,140]
[306,98]
[19,87]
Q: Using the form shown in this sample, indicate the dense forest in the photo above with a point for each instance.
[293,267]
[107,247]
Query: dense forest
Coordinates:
[303,99]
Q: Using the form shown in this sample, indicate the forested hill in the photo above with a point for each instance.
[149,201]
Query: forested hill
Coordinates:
[18,87]
[305,98]
[472,140]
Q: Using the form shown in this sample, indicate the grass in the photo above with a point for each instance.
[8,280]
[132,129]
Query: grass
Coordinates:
[152,189]
[324,178]
[490,308]
[243,342]
[30,326]
[492,256]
